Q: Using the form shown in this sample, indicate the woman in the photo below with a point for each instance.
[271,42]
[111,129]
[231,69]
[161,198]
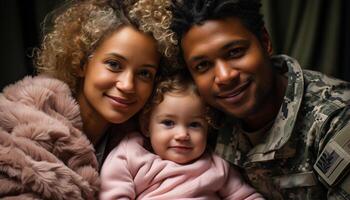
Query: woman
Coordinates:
[97,69]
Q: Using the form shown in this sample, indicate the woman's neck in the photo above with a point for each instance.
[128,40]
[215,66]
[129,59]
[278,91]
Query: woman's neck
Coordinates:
[94,125]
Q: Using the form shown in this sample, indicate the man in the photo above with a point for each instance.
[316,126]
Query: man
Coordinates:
[289,128]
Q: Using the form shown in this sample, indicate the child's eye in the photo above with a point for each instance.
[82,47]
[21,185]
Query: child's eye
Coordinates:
[195,125]
[113,65]
[168,123]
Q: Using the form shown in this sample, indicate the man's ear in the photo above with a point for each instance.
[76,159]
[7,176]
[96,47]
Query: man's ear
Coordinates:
[266,41]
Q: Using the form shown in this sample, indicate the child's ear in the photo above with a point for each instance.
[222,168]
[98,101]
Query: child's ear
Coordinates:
[145,130]
[144,126]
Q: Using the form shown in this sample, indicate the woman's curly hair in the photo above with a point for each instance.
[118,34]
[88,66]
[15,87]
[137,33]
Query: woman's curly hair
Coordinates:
[73,31]
[154,16]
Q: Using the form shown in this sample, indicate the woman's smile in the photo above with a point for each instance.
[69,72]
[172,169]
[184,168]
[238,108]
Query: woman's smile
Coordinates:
[120,101]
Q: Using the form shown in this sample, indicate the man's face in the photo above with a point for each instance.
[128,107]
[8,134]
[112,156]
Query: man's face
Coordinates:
[230,65]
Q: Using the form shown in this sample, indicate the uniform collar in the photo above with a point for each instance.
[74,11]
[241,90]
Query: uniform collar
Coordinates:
[282,128]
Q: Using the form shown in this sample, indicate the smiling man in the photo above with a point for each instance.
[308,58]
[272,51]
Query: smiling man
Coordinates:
[288,128]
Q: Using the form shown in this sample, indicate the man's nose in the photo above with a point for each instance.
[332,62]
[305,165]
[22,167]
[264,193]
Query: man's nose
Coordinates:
[224,72]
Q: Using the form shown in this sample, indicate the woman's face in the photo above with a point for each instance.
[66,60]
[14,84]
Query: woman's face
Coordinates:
[119,75]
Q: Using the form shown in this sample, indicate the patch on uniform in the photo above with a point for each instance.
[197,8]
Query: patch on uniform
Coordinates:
[327,159]
[334,162]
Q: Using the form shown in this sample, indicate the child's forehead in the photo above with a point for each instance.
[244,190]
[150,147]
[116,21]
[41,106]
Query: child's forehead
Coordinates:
[179,108]
[181,94]
[177,101]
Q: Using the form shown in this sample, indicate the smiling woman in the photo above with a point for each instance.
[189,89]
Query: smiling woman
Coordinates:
[97,69]
[118,78]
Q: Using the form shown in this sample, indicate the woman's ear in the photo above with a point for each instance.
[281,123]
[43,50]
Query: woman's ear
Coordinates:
[82,70]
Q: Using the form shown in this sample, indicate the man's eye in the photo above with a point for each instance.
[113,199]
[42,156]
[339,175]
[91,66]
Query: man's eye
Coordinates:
[202,66]
[168,123]
[236,52]
[113,65]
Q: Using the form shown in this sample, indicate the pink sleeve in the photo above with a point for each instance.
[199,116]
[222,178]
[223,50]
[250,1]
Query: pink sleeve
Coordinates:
[116,179]
[236,188]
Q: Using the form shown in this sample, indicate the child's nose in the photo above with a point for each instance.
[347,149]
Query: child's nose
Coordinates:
[182,134]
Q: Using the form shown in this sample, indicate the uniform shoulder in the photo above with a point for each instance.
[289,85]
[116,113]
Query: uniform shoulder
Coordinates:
[324,89]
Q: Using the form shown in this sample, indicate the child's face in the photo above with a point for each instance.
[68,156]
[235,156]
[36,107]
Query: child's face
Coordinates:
[178,128]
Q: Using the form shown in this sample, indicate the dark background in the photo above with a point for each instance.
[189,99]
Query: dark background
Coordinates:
[316,32]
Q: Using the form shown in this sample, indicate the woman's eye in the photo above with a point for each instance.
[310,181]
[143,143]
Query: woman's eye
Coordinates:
[113,65]
[168,123]
[146,75]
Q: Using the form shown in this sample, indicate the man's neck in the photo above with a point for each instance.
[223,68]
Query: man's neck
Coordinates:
[267,111]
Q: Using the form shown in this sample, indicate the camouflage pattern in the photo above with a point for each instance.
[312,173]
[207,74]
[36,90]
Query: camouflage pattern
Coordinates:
[315,108]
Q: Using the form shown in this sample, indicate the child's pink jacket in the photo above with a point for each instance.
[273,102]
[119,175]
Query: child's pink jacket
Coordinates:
[132,172]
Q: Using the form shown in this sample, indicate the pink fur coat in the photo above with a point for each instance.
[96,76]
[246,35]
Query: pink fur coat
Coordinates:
[43,152]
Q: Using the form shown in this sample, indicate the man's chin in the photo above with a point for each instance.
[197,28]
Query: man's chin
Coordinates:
[240,112]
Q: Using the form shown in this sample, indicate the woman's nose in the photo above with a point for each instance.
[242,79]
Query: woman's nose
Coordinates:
[125,82]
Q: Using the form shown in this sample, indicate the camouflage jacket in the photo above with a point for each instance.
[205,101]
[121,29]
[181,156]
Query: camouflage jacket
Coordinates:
[315,108]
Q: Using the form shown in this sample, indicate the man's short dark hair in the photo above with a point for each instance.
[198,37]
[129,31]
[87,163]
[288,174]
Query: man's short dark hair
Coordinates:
[187,13]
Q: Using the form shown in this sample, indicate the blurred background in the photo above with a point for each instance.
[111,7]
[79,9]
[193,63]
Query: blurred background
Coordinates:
[315,32]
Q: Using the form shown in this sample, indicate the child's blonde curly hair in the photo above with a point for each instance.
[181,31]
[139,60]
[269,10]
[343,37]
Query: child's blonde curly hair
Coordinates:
[73,31]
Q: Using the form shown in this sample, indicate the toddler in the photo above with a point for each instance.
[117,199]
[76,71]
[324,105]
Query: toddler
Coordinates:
[170,160]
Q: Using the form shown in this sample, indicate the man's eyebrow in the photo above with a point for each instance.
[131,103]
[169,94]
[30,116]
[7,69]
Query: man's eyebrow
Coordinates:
[225,47]
[197,58]
[235,43]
